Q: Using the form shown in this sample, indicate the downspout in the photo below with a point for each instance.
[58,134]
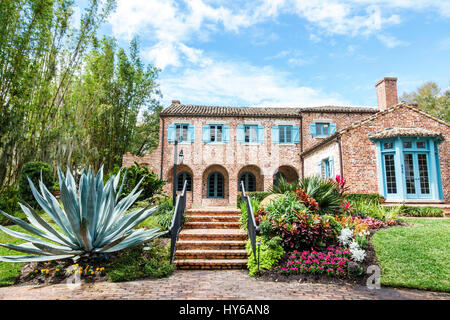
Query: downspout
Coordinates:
[301,146]
[341,164]
[162,150]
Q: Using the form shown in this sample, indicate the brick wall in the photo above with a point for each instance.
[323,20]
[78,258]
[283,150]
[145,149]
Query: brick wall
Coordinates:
[342,121]
[359,153]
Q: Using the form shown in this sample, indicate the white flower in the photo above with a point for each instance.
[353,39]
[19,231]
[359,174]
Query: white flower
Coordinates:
[354,245]
[358,254]
[346,236]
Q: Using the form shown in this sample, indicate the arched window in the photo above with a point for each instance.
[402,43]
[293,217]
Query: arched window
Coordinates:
[184,176]
[249,182]
[215,185]
[277,177]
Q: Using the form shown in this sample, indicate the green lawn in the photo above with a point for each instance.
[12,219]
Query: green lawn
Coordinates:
[9,271]
[417,256]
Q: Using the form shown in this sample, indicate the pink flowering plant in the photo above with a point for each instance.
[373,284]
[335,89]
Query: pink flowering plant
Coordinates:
[333,261]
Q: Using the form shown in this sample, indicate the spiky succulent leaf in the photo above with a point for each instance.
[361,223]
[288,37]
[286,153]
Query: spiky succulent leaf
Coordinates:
[92,219]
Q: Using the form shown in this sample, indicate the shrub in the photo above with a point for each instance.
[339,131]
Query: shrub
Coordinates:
[244,214]
[325,192]
[410,211]
[359,197]
[150,185]
[33,171]
[141,262]
[257,195]
[270,253]
[9,199]
[375,210]
[283,186]
[307,232]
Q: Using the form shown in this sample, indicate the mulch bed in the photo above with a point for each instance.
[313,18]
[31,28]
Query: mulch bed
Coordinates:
[28,277]
[274,274]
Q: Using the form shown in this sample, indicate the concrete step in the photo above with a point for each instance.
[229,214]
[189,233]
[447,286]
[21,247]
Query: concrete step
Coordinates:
[213,218]
[212,234]
[210,254]
[211,244]
[216,264]
[211,225]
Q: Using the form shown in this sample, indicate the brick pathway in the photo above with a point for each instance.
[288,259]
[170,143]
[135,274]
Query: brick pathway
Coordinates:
[223,284]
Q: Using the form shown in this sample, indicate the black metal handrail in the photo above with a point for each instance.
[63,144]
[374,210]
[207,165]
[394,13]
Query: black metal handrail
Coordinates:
[252,228]
[177,221]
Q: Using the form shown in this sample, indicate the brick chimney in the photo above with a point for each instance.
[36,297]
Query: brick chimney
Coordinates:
[386,93]
[175,101]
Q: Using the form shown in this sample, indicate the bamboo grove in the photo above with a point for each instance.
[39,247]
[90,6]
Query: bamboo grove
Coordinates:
[69,97]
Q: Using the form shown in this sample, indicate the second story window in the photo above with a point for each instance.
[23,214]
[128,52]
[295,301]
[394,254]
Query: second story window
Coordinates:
[216,133]
[322,129]
[181,131]
[251,133]
[285,134]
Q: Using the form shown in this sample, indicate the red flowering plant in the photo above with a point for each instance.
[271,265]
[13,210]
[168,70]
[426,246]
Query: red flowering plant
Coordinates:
[309,230]
[346,208]
[340,184]
[333,261]
[308,201]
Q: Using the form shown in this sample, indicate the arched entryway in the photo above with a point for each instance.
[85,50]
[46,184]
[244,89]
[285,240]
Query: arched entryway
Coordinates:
[288,173]
[215,186]
[252,178]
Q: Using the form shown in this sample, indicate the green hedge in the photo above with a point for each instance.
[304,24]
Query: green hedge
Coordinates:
[367,197]
[33,171]
[409,211]
[9,199]
[258,195]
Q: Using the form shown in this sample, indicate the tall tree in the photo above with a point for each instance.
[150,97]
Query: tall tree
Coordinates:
[430,98]
[39,55]
[113,89]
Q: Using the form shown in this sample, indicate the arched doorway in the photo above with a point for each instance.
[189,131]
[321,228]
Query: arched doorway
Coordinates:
[181,178]
[215,188]
[249,180]
[287,172]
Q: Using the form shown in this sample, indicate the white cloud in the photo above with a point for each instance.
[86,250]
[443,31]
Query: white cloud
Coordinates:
[391,41]
[240,83]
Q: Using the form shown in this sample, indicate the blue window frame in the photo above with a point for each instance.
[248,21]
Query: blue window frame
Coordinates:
[251,134]
[326,168]
[408,168]
[249,181]
[216,133]
[182,132]
[181,178]
[285,134]
[215,185]
[322,129]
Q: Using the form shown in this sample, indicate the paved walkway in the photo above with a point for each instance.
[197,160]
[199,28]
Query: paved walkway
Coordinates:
[227,284]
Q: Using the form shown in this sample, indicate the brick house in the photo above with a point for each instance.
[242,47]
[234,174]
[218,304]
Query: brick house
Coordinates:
[394,149]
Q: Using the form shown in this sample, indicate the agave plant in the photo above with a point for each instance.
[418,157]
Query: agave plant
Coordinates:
[92,220]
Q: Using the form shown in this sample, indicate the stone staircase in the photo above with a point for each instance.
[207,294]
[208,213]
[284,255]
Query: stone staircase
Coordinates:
[211,239]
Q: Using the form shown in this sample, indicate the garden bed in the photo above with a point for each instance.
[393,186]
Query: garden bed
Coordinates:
[132,264]
[276,274]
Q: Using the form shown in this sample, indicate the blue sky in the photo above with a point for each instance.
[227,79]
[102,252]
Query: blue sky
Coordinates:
[287,52]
